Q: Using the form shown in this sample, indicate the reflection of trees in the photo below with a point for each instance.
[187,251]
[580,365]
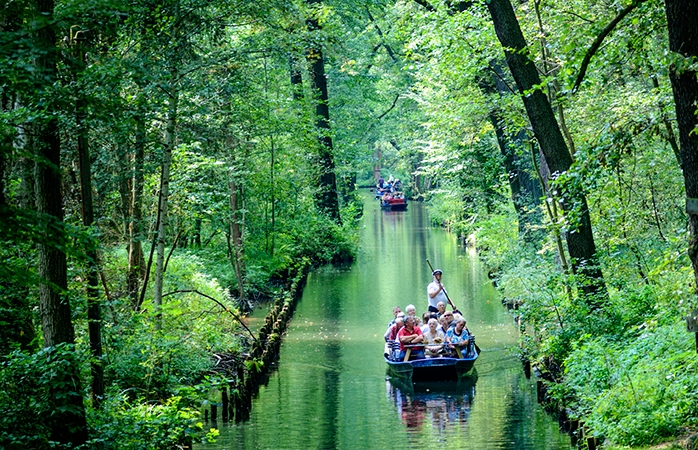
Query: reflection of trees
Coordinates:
[413,413]
[445,404]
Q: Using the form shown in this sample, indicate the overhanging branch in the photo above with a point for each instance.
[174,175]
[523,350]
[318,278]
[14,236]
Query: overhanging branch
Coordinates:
[389,109]
[599,40]
[184,291]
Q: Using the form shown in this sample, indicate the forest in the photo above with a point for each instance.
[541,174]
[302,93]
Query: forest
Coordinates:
[167,165]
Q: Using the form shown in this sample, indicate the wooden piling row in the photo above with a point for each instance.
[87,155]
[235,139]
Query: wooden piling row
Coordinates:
[259,363]
[579,433]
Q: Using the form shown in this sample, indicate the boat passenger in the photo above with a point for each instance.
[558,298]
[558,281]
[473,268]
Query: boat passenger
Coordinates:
[396,312]
[450,322]
[391,332]
[425,321]
[435,291]
[459,336]
[441,306]
[390,336]
[418,323]
[443,325]
[410,334]
[434,339]
[410,311]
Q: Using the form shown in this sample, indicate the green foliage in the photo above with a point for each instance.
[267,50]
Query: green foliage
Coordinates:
[151,362]
[125,424]
[27,382]
[637,392]
[411,91]
[323,241]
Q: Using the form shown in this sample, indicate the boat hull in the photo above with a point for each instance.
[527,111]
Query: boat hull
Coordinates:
[394,205]
[397,207]
[432,369]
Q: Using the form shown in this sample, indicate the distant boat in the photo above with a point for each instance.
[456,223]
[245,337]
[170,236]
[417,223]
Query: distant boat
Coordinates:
[395,201]
[441,368]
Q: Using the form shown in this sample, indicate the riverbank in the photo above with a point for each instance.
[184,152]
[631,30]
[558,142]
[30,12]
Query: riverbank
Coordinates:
[626,370]
[247,374]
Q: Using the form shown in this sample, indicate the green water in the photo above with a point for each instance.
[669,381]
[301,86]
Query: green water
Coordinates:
[331,390]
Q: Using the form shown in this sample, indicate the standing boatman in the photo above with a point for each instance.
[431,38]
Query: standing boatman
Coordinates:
[435,291]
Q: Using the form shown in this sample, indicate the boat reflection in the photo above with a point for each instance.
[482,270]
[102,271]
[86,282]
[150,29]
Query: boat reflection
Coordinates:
[441,404]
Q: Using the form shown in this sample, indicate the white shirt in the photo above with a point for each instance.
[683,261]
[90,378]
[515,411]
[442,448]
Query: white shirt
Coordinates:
[440,297]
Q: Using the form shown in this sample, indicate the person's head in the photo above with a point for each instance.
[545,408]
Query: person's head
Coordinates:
[397,310]
[410,310]
[426,316]
[399,322]
[448,316]
[409,323]
[437,274]
[443,322]
[441,307]
[433,324]
[460,323]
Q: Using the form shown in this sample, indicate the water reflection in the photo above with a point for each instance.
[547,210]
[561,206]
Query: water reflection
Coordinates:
[440,406]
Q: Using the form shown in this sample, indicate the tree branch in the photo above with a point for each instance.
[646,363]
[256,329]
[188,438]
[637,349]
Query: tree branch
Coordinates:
[389,109]
[380,34]
[184,291]
[453,7]
[426,5]
[572,13]
[599,40]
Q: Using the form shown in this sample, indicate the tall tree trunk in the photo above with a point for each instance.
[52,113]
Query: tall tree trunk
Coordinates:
[236,235]
[525,194]
[377,157]
[94,315]
[237,228]
[296,77]
[136,259]
[164,194]
[580,240]
[68,424]
[682,16]
[327,189]
[124,186]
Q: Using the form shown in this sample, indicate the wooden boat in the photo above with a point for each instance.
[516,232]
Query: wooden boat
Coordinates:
[394,202]
[441,368]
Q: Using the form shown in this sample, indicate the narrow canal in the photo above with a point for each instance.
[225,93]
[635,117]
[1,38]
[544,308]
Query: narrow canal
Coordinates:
[331,390]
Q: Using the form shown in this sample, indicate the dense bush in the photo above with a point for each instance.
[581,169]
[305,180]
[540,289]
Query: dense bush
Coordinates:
[25,384]
[636,391]
[124,425]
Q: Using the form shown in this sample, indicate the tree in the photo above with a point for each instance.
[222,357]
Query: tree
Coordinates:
[683,42]
[94,315]
[327,188]
[68,424]
[580,238]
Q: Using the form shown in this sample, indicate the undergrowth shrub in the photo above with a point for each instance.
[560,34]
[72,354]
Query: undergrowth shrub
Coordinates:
[638,391]
[26,382]
[139,424]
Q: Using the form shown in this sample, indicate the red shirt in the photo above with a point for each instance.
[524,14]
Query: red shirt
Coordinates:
[403,332]
[393,332]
